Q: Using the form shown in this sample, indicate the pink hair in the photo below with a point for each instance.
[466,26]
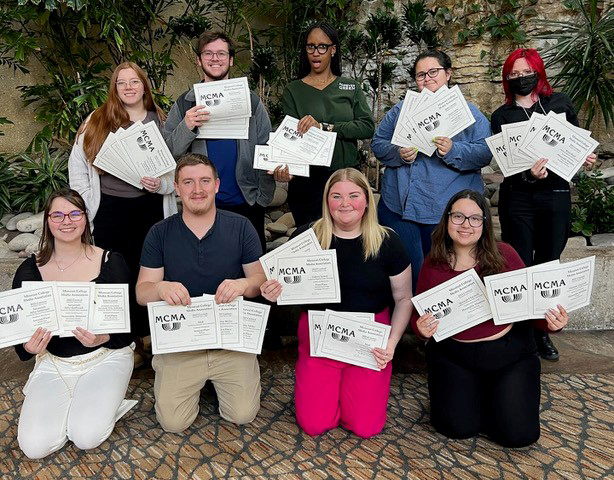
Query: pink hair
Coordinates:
[536,63]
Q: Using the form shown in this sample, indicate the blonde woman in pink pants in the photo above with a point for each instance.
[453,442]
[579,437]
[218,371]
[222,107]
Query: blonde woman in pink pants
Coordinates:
[374,272]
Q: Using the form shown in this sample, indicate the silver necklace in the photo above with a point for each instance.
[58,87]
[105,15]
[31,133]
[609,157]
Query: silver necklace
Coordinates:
[67,267]
[525,110]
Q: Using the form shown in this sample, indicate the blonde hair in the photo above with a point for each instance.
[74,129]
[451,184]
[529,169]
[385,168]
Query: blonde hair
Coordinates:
[373,234]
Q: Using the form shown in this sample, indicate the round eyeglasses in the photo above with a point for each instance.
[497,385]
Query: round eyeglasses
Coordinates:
[122,84]
[432,72]
[58,217]
[322,48]
[458,218]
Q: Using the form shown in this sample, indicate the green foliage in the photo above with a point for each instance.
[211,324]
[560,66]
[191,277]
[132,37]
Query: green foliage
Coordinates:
[289,18]
[7,176]
[78,41]
[501,19]
[419,24]
[61,102]
[594,212]
[584,50]
[34,178]
[383,31]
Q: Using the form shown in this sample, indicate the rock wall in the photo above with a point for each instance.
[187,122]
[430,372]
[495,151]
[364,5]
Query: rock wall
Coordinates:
[478,76]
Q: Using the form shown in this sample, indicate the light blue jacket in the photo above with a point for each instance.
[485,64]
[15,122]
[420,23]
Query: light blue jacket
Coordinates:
[421,190]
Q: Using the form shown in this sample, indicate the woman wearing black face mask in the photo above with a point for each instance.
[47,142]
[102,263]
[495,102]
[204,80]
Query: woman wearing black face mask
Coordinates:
[534,205]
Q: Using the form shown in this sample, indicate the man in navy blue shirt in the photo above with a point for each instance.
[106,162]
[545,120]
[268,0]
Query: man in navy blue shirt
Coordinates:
[201,250]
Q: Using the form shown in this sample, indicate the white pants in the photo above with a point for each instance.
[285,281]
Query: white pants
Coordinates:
[74,398]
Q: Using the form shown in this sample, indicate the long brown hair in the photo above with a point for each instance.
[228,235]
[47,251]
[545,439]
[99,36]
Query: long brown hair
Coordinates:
[486,252]
[373,234]
[112,114]
[47,241]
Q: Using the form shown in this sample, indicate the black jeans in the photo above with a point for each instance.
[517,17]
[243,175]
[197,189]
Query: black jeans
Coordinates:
[490,387]
[305,195]
[121,224]
[535,223]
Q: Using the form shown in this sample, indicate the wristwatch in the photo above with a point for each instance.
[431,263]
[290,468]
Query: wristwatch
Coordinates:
[327,127]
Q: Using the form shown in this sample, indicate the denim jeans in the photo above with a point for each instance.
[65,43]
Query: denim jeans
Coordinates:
[416,237]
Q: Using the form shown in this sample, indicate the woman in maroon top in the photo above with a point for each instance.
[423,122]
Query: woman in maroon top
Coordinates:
[484,379]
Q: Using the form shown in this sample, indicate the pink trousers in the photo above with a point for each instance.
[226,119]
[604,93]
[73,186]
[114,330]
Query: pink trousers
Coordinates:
[329,393]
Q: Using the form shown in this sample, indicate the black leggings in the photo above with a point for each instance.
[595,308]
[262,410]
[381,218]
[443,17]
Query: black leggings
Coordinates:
[121,225]
[486,387]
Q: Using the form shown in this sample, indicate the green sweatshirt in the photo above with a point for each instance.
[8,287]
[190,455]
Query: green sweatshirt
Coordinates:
[343,104]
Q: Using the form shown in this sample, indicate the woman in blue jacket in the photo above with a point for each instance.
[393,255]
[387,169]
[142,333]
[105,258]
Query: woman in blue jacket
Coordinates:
[415,187]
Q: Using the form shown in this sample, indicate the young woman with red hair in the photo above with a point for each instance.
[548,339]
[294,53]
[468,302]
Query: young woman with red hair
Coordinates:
[534,205]
[120,214]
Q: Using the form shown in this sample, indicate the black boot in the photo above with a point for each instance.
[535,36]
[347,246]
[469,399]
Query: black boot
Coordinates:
[545,347]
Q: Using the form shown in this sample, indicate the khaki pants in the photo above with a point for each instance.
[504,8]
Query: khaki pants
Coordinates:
[181,376]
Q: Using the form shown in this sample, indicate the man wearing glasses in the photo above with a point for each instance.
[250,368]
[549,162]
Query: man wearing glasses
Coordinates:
[243,189]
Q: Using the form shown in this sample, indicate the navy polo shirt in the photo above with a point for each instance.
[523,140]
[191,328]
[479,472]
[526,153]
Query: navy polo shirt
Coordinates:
[201,264]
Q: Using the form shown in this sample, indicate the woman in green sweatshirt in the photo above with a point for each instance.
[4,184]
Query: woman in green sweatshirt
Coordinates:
[322,98]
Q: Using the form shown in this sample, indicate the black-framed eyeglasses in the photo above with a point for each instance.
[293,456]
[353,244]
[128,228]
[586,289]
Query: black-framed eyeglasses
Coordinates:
[431,72]
[58,217]
[322,48]
[458,218]
[526,73]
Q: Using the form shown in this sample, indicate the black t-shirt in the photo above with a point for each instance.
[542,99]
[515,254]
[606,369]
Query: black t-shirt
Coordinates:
[558,103]
[201,264]
[113,269]
[365,285]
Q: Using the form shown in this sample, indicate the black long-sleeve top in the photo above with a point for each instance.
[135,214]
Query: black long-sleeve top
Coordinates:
[113,269]
[558,103]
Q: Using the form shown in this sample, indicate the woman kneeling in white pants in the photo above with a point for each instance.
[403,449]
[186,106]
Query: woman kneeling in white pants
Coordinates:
[76,390]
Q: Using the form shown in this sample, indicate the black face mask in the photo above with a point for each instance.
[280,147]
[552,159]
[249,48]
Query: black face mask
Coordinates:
[523,85]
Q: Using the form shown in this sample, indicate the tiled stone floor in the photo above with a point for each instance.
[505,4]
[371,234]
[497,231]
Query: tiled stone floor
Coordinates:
[576,442]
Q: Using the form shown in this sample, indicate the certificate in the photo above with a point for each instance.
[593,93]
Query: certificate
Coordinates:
[459,303]
[112,162]
[564,145]
[181,328]
[75,302]
[227,315]
[496,144]
[315,318]
[148,151]
[229,128]
[312,278]
[23,310]
[264,160]
[445,115]
[306,242]
[304,146]
[254,318]
[347,340]
[325,156]
[509,294]
[568,284]
[513,134]
[225,98]
[111,309]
